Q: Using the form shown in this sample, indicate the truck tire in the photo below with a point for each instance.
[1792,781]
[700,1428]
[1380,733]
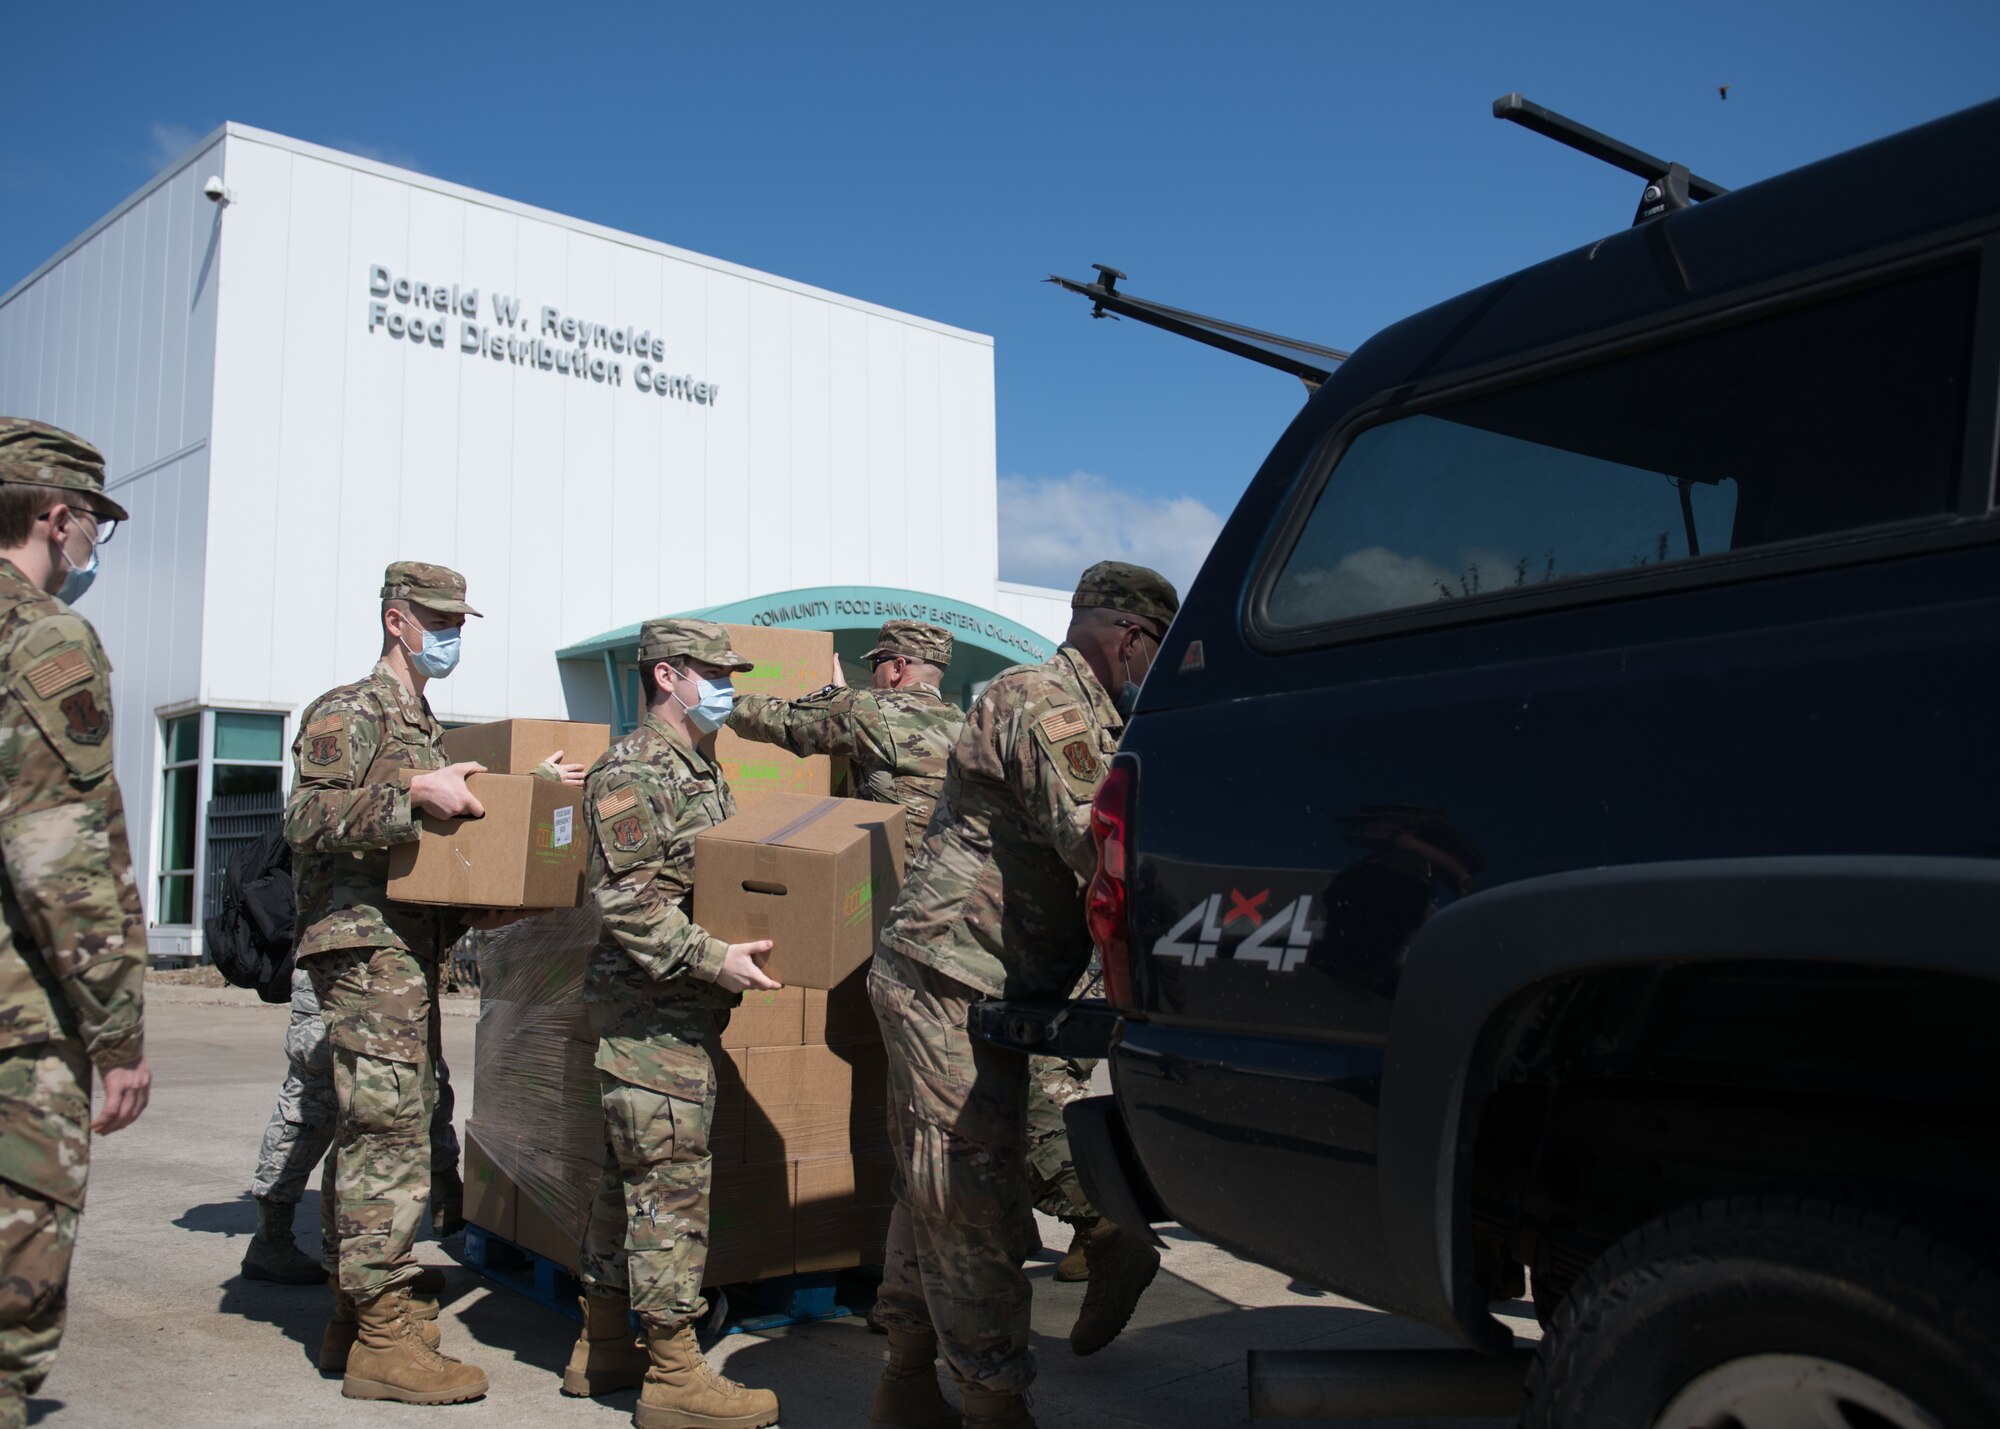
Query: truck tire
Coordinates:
[1726,1313]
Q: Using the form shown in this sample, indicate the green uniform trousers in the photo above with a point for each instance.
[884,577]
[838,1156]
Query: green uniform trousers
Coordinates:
[380,1019]
[963,1222]
[44,1160]
[648,1231]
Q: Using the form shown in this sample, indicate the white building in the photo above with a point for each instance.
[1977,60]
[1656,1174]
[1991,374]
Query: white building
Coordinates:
[301,365]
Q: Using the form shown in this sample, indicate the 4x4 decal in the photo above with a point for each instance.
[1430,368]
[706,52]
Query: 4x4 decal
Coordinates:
[1279,940]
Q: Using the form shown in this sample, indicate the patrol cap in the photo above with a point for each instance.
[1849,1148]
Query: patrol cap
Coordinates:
[36,454]
[1133,590]
[420,583]
[913,640]
[676,637]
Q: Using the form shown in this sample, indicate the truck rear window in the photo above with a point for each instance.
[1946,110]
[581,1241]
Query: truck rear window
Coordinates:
[1831,418]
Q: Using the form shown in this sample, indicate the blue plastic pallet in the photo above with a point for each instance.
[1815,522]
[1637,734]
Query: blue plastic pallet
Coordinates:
[742,1309]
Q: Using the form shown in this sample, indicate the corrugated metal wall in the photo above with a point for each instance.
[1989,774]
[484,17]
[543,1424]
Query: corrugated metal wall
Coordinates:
[115,341]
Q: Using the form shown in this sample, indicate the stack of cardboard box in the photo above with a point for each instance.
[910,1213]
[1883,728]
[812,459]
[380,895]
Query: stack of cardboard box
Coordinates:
[799,1138]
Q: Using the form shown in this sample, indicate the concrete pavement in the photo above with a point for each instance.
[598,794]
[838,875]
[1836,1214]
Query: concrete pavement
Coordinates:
[162,1330]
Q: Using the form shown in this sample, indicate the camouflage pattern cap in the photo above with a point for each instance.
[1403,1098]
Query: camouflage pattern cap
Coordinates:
[676,637]
[36,454]
[1133,590]
[420,583]
[913,640]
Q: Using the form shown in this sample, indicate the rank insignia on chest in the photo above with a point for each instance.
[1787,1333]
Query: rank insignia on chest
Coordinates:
[1082,758]
[86,722]
[323,749]
[628,834]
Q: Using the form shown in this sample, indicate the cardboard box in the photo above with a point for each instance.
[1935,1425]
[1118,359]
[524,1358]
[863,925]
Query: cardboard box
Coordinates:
[789,663]
[793,1016]
[843,1015]
[751,1228]
[490,1194]
[528,852]
[841,1208]
[541,1225]
[516,746]
[816,876]
[768,1019]
[815,1101]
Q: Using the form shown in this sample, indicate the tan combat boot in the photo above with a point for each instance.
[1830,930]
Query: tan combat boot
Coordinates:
[1121,1267]
[608,1356]
[683,1392]
[1074,1266]
[994,1408]
[338,1340]
[908,1396]
[392,1360]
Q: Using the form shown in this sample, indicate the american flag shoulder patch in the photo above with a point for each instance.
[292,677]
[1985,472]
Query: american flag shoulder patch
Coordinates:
[1058,725]
[326,724]
[59,672]
[617,802]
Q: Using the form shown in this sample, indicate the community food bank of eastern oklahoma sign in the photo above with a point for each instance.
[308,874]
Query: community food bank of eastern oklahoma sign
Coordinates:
[552,340]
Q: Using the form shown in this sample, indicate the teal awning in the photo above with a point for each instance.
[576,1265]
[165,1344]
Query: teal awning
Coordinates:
[986,641]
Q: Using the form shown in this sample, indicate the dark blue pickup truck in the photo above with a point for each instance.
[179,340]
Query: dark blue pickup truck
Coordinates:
[1559,842]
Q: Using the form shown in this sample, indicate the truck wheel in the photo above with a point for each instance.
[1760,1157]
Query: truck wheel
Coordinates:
[1840,1306]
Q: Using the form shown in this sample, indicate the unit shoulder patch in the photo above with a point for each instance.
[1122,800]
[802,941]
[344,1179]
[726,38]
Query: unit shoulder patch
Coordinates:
[1066,736]
[624,828]
[67,695]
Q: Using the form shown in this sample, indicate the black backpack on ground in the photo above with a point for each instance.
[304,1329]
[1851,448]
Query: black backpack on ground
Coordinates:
[250,939]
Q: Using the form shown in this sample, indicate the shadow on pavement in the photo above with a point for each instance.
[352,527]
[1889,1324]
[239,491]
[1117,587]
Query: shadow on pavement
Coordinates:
[238,1216]
[40,1409]
[1180,1362]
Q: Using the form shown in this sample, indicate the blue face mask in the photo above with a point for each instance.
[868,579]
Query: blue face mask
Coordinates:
[711,712]
[439,657]
[78,580]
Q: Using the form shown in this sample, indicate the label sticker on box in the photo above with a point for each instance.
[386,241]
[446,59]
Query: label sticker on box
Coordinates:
[565,821]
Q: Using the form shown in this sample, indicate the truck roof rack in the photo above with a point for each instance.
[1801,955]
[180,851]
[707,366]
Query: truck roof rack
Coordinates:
[1311,363]
[1669,186]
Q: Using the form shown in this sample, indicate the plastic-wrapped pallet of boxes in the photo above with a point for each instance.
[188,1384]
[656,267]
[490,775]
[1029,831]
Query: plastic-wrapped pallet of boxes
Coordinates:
[800,1138]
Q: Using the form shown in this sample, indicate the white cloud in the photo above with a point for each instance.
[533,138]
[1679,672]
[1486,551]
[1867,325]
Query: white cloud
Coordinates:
[1052,527]
[1373,578]
[170,141]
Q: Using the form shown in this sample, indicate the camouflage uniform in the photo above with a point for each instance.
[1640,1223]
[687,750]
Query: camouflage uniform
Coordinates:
[72,940]
[301,1127]
[992,907]
[373,963]
[654,1002]
[899,742]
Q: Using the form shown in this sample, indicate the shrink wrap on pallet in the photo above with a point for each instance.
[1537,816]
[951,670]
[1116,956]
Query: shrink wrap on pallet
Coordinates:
[798,1135]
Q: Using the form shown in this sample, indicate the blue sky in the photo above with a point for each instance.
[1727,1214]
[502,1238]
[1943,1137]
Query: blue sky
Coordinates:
[1317,168]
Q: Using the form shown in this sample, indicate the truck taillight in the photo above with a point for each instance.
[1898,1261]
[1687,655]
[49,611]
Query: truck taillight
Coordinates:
[1111,830]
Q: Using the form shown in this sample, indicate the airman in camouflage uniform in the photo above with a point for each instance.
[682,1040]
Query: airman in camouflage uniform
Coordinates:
[298,1137]
[367,763]
[659,989]
[72,939]
[993,907]
[898,734]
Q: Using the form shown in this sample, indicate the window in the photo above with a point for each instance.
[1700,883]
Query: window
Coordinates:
[179,799]
[1840,416]
[222,785]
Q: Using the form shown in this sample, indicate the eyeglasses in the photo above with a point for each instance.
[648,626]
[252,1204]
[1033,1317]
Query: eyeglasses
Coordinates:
[103,527]
[1142,629]
[876,662]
